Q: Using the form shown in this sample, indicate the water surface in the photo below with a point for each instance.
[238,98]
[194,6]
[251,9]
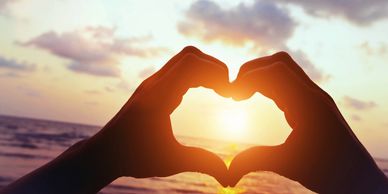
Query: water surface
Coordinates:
[26,144]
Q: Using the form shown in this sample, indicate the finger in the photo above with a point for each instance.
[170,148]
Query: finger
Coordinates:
[257,63]
[245,92]
[263,62]
[275,81]
[278,57]
[281,85]
[261,158]
[172,62]
[286,58]
[193,159]
[191,71]
[187,50]
[295,68]
[292,65]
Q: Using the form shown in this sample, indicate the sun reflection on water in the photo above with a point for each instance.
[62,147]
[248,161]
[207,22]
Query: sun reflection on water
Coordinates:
[228,160]
[233,148]
[230,190]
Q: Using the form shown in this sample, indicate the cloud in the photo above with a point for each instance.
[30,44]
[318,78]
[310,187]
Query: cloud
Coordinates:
[373,49]
[93,50]
[91,103]
[356,104]
[100,68]
[28,91]
[311,70]
[93,92]
[360,12]
[263,24]
[109,89]
[11,74]
[12,64]
[146,72]
[123,85]
[4,5]
[356,117]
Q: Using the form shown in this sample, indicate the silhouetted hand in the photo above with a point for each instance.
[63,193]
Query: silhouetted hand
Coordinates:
[141,132]
[138,141]
[322,153]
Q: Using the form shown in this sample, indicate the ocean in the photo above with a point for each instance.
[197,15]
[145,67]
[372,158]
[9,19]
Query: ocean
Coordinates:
[26,144]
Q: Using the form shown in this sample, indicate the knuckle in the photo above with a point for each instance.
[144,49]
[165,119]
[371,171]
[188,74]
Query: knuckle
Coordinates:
[190,49]
[189,58]
[282,56]
[242,69]
[280,67]
[248,66]
[187,63]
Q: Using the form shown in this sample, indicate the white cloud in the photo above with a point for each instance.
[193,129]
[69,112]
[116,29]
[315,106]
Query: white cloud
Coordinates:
[357,104]
[263,24]
[93,50]
[361,12]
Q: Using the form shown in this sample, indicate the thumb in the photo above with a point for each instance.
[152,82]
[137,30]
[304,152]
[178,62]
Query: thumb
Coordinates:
[199,160]
[260,158]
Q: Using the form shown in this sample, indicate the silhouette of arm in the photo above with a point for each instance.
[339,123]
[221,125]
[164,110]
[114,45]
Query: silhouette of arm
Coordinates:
[138,141]
[322,152]
[83,168]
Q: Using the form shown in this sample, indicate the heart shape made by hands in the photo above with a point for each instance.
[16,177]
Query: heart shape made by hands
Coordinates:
[281,79]
[212,76]
[307,109]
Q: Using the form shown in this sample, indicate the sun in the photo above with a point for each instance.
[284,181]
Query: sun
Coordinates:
[233,121]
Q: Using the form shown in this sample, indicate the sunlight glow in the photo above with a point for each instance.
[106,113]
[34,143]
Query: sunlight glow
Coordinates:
[230,190]
[234,121]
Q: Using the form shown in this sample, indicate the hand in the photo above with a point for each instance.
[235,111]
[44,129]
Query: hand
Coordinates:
[139,139]
[321,153]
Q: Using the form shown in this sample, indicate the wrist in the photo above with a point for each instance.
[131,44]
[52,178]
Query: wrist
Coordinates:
[101,157]
[365,177]
[357,172]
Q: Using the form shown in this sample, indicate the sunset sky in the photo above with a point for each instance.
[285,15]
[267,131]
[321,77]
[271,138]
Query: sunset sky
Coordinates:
[79,61]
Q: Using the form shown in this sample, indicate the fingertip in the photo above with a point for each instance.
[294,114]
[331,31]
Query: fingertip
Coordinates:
[238,97]
[223,93]
[234,180]
[233,184]
[236,171]
[223,181]
[224,89]
[219,82]
[190,49]
[240,91]
[199,53]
